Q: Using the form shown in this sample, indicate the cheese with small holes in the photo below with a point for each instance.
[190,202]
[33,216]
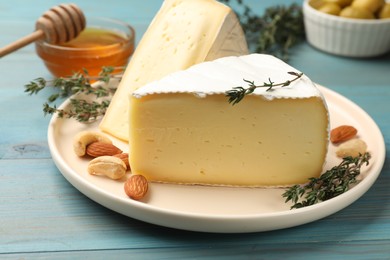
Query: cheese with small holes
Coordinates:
[183,129]
[183,33]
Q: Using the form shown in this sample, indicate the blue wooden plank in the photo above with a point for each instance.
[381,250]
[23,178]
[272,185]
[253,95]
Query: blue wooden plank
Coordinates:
[293,251]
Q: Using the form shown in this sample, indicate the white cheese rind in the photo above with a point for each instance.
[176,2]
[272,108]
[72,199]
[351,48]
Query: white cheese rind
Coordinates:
[183,33]
[183,129]
[221,75]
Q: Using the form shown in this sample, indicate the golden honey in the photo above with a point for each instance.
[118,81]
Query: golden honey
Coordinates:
[103,45]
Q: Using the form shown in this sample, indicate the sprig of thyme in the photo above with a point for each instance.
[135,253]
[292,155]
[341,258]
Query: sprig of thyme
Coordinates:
[79,83]
[274,32]
[330,184]
[81,110]
[236,94]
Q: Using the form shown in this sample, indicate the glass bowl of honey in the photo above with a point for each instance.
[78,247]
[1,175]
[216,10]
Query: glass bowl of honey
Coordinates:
[104,42]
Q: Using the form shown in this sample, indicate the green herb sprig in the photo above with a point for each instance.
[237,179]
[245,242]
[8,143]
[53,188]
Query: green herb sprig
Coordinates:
[275,31]
[330,184]
[81,110]
[79,83]
[236,94]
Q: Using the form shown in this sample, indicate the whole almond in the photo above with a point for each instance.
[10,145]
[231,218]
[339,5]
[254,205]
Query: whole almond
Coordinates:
[97,149]
[125,158]
[136,186]
[342,133]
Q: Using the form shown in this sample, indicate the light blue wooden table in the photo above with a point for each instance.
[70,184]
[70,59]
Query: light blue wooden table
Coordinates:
[43,216]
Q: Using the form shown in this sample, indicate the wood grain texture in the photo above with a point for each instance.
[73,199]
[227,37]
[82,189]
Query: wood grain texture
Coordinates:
[42,216]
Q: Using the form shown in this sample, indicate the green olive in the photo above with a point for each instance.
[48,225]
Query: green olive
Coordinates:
[316,3]
[330,8]
[369,5]
[357,13]
[341,3]
[384,12]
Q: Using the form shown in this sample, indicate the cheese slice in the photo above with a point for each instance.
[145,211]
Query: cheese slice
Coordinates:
[183,129]
[183,33]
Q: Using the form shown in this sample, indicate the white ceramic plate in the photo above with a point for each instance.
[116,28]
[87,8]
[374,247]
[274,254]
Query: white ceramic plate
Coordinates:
[217,209]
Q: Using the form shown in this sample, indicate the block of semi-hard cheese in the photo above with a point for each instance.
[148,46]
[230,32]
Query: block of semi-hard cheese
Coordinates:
[183,33]
[183,130]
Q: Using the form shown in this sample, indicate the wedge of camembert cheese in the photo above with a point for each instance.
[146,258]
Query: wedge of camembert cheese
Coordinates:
[183,130]
[183,33]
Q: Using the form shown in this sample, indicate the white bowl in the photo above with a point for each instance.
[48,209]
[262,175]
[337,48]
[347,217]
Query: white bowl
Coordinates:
[346,36]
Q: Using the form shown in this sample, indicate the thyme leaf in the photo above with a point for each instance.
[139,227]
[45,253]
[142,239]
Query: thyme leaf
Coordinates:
[275,31]
[81,110]
[330,184]
[236,94]
[78,83]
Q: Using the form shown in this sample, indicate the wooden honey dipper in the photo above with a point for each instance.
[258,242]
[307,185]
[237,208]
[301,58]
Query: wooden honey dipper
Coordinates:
[60,24]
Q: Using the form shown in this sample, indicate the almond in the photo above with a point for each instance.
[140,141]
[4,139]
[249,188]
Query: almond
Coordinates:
[97,149]
[125,158]
[342,133]
[136,186]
